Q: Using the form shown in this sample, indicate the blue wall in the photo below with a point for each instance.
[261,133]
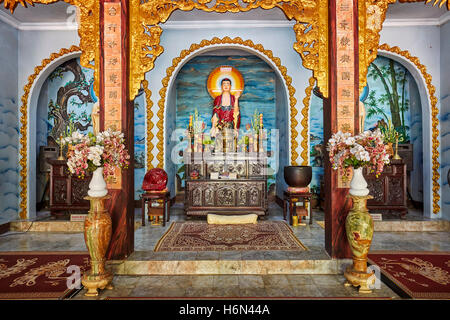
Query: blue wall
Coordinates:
[9,131]
[445,119]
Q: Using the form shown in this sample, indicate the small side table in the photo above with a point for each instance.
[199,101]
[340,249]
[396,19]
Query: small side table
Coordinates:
[291,199]
[148,198]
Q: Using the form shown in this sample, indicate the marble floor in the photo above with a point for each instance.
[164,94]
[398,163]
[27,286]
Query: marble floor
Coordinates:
[280,285]
[311,235]
[236,286]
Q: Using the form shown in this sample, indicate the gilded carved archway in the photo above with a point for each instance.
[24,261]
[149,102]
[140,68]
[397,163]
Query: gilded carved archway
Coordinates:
[311,30]
[195,47]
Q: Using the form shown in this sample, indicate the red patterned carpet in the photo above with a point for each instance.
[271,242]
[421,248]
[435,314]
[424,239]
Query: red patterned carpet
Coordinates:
[265,235]
[38,275]
[421,275]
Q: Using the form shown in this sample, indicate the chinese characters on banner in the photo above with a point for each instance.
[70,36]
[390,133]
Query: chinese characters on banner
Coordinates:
[113,75]
[345,76]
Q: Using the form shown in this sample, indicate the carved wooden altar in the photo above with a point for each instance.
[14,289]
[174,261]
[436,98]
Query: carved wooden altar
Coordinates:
[388,190]
[67,192]
[226,183]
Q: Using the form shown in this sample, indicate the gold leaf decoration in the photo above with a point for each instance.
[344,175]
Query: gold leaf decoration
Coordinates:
[311,31]
[371,15]
[150,125]
[305,121]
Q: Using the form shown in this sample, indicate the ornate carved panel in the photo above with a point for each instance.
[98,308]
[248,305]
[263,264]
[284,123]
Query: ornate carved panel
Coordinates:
[389,189]
[197,197]
[225,195]
[60,194]
[209,197]
[80,188]
[242,197]
[255,197]
[395,187]
[256,168]
[376,187]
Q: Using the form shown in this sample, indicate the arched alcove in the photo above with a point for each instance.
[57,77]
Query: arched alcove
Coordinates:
[427,130]
[28,127]
[280,118]
[65,103]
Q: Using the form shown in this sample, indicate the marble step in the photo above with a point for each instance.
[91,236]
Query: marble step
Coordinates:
[227,267]
[408,226]
[53,226]
[380,226]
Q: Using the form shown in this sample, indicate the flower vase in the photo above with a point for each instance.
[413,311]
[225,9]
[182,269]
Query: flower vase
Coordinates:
[359,229]
[97,235]
[358,185]
[97,186]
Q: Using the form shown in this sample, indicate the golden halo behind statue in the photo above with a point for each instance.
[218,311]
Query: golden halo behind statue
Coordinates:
[218,74]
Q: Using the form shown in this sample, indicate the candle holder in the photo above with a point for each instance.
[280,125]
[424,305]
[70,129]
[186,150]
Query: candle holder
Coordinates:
[396,156]
[61,146]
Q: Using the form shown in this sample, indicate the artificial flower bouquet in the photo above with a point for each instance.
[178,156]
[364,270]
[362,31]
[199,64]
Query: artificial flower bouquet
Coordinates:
[88,152]
[364,150]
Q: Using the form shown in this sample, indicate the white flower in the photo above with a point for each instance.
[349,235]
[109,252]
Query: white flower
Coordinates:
[363,156]
[356,149]
[350,141]
[332,142]
[95,155]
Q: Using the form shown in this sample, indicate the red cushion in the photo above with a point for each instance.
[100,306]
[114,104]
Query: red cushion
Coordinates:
[155,179]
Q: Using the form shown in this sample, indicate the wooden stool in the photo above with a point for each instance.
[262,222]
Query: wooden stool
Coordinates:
[149,197]
[291,199]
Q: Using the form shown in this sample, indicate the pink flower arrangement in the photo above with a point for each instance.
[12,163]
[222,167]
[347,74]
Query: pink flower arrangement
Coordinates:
[364,150]
[88,152]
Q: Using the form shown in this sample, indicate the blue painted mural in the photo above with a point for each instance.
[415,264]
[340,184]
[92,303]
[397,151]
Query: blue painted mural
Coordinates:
[66,100]
[9,125]
[391,96]
[258,95]
[139,144]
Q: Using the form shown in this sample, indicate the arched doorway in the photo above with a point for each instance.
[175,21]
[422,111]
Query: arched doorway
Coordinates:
[28,128]
[430,161]
[66,100]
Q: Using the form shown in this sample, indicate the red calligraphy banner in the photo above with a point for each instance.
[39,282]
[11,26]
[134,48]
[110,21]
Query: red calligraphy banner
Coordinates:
[345,55]
[112,45]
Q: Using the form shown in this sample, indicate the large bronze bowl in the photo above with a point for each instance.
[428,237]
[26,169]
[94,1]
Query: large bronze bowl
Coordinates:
[298,176]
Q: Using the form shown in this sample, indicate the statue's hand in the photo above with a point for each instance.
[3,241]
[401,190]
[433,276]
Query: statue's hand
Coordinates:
[237,95]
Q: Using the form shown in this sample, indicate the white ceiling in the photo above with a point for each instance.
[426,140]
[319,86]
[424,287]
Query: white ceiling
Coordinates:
[415,11]
[57,13]
[41,13]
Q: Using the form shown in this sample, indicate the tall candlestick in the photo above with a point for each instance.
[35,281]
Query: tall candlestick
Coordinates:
[61,148]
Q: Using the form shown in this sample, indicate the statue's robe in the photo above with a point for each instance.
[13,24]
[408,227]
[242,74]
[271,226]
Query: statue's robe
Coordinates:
[225,113]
